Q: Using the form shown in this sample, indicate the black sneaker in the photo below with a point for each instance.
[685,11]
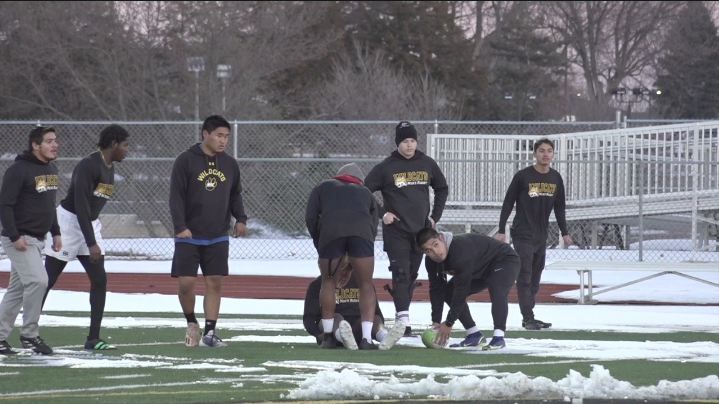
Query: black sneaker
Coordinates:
[6,349]
[407,331]
[542,323]
[532,325]
[329,342]
[36,344]
[536,322]
[366,345]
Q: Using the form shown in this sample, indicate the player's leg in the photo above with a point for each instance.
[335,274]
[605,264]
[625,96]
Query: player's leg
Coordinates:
[53,268]
[399,265]
[72,241]
[474,335]
[30,272]
[12,299]
[185,261]
[330,257]
[538,261]
[525,250]
[502,276]
[98,292]
[415,261]
[215,266]
[361,255]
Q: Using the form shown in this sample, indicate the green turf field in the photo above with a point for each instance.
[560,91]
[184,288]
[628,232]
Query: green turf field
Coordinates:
[152,365]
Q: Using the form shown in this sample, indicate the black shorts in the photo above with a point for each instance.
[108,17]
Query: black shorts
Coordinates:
[354,246]
[212,259]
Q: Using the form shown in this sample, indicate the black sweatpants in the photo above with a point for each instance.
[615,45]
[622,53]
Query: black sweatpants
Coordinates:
[98,287]
[532,257]
[404,265]
[501,275]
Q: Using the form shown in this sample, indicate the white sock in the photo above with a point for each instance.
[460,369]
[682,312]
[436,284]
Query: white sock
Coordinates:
[367,330]
[498,333]
[381,334]
[328,324]
[472,330]
[404,316]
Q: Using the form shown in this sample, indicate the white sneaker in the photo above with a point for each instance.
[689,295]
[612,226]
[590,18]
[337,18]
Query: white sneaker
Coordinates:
[348,337]
[394,334]
[212,340]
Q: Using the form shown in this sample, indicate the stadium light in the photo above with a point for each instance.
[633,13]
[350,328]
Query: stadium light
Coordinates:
[196,64]
[223,72]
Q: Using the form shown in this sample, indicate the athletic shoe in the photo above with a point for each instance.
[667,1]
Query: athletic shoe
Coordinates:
[6,349]
[531,325]
[212,340]
[36,344]
[366,345]
[474,339]
[329,341]
[495,343]
[348,337]
[394,334]
[407,331]
[98,345]
[192,335]
[541,324]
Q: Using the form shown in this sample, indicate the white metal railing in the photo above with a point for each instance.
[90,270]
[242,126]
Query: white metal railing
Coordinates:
[594,165]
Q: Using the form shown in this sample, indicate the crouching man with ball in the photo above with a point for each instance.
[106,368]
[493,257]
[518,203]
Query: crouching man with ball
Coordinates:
[476,262]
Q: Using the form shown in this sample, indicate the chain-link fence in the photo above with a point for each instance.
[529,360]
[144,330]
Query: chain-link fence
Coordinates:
[282,161]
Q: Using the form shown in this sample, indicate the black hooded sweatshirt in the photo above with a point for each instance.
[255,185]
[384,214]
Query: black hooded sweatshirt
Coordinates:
[27,198]
[337,208]
[405,184]
[204,192]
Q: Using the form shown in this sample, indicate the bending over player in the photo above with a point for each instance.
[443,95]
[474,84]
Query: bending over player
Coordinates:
[476,262]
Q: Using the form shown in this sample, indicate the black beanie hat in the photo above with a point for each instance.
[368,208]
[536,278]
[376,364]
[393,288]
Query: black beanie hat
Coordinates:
[403,131]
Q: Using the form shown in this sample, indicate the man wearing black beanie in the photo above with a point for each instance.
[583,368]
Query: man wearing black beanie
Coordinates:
[404,179]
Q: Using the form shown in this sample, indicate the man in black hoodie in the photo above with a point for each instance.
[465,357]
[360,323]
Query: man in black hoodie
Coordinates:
[475,262]
[205,191]
[27,213]
[404,179]
[341,217]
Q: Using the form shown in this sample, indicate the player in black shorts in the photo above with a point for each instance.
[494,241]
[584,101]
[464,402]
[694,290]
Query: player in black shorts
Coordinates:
[347,327]
[341,217]
[205,191]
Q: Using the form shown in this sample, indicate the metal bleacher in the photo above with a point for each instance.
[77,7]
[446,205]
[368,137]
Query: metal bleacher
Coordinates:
[663,174]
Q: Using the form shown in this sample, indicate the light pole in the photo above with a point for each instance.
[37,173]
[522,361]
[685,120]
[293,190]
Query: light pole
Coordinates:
[196,64]
[223,72]
[629,97]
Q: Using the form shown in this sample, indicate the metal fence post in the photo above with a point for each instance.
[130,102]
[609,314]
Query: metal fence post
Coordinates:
[641,213]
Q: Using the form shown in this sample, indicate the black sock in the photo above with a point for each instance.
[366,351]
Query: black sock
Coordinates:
[191,317]
[209,326]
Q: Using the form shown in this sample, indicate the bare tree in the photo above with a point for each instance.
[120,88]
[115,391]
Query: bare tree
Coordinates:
[366,85]
[609,41]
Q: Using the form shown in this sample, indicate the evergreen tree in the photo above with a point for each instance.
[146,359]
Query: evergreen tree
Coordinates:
[689,70]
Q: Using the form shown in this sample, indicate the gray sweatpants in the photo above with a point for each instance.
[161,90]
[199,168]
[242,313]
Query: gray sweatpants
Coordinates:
[26,289]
